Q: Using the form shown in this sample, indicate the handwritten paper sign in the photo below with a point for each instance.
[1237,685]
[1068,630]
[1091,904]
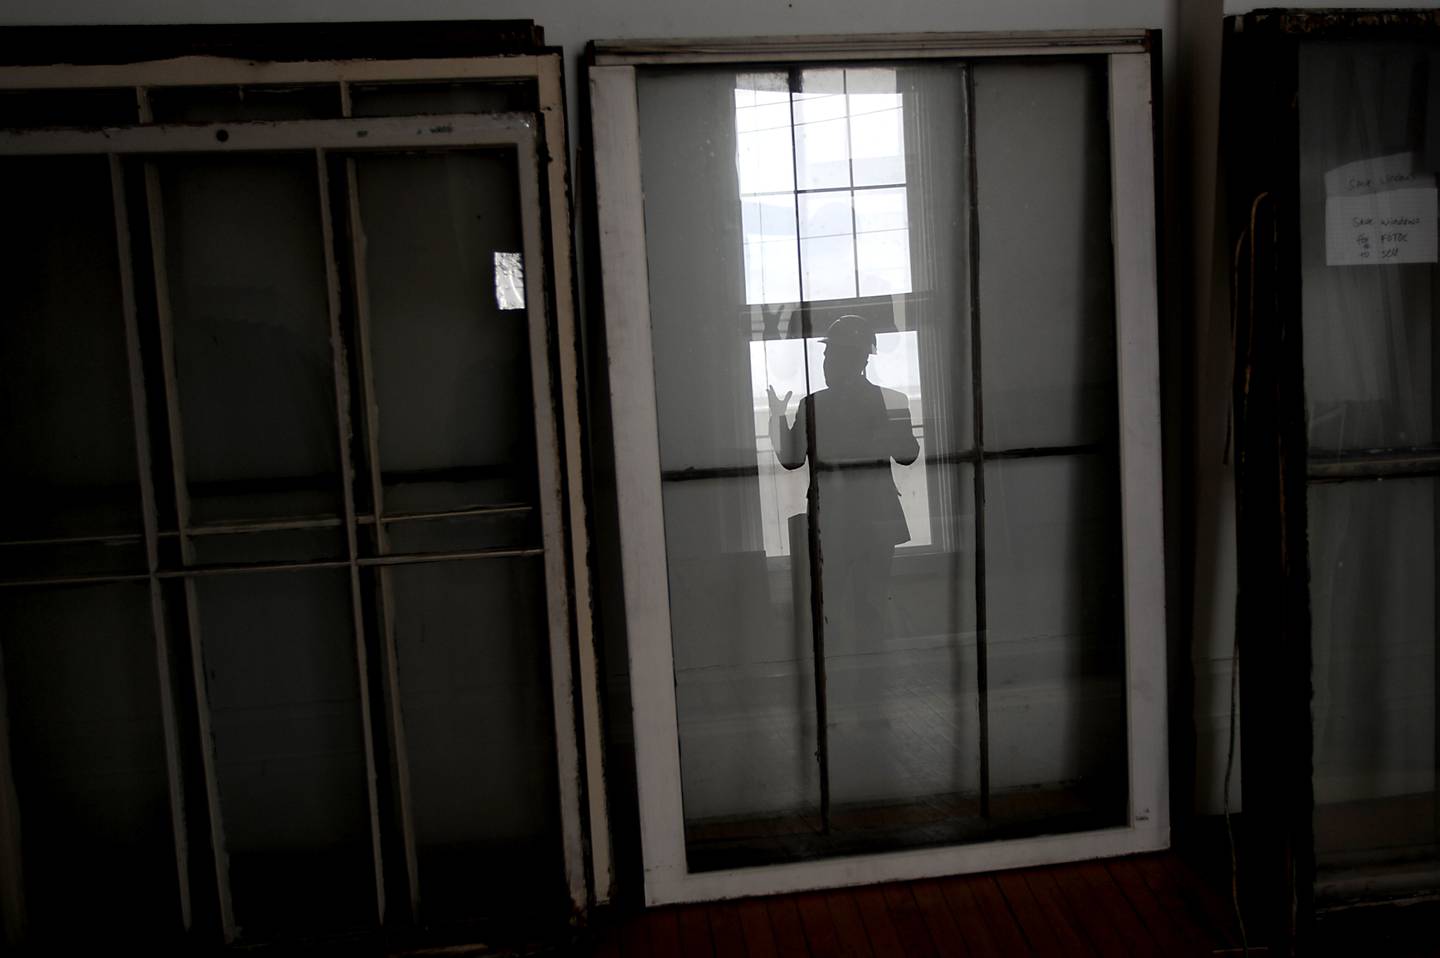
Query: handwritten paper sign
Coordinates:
[1394,226]
[1380,211]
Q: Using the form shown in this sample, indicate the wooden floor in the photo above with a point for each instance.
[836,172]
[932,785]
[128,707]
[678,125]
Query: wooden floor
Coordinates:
[1143,905]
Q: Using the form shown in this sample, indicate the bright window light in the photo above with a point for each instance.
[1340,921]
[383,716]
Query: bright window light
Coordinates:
[822,186]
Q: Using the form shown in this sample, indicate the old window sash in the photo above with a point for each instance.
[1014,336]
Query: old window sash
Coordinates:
[625,289]
[587,877]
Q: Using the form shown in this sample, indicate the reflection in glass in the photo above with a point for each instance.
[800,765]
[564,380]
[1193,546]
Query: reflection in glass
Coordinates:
[449,337]
[817,397]
[850,431]
[820,156]
[785,366]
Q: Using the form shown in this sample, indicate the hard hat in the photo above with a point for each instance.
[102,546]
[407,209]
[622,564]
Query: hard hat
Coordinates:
[850,330]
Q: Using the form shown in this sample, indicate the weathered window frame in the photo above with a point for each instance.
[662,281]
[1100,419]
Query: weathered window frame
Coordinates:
[539,142]
[1275,465]
[624,287]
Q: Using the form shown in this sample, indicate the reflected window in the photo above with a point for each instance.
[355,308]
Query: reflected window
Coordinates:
[821,162]
[509,281]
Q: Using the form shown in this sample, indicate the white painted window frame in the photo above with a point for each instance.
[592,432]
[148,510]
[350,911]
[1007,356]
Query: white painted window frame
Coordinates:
[625,291]
[548,239]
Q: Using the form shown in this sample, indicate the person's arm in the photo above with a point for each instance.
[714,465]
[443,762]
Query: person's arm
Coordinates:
[787,441]
[903,447]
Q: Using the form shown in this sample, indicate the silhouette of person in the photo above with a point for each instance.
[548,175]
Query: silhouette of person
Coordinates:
[859,428]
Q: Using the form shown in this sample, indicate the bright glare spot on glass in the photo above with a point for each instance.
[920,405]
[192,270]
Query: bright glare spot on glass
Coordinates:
[781,365]
[822,185]
[509,281]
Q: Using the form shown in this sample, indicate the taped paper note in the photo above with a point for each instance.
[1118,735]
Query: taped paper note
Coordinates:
[1394,172]
[1394,226]
[1380,211]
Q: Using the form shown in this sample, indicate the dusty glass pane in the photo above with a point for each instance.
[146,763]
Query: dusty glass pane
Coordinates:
[282,545]
[67,435]
[451,367]
[251,323]
[742,649]
[86,744]
[1056,641]
[474,687]
[900,662]
[1047,307]
[1369,345]
[1372,588]
[289,754]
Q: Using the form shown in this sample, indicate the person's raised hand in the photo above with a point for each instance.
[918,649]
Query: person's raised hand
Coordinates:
[778,406]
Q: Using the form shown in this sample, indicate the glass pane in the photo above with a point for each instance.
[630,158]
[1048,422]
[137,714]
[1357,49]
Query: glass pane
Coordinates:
[1369,347]
[409,99]
[214,104]
[118,555]
[88,758]
[1372,587]
[1368,151]
[1046,275]
[20,109]
[877,127]
[843,424]
[1056,644]
[828,267]
[289,750]
[888,391]
[451,367]
[282,545]
[519,529]
[480,732]
[252,335]
[67,435]
[900,666]
[741,642]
